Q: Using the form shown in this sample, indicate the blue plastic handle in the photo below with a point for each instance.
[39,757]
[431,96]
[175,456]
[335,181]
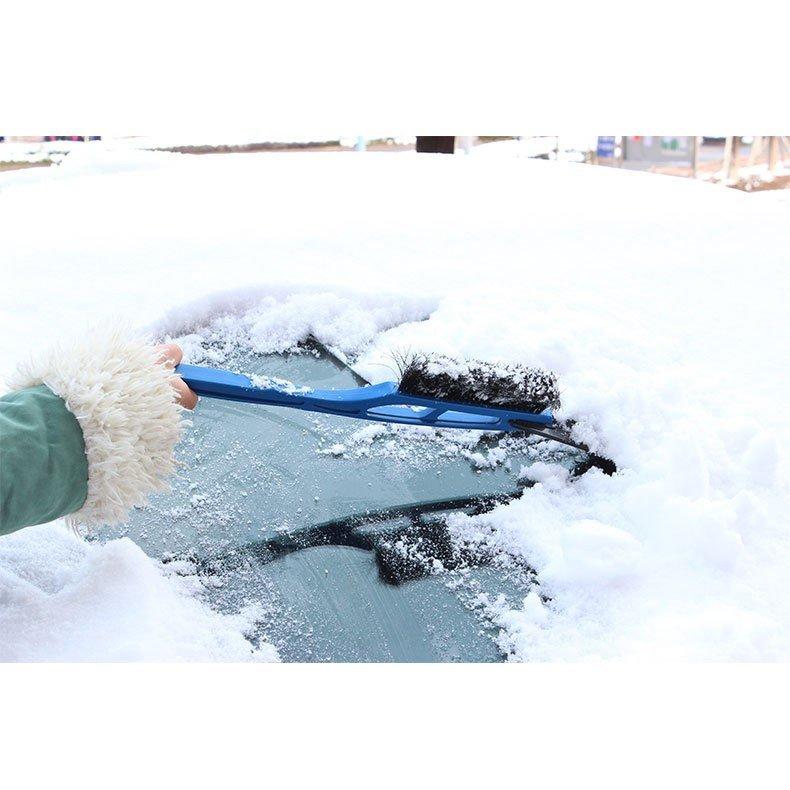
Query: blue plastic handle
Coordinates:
[378,402]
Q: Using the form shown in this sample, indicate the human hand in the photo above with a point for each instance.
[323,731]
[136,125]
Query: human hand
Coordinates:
[170,355]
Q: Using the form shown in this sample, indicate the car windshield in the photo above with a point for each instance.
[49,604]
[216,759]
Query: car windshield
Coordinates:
[335,529]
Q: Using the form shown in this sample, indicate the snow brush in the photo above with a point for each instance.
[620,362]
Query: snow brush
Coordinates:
[440,393]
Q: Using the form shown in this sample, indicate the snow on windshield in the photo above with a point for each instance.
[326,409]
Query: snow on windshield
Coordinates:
[660,303]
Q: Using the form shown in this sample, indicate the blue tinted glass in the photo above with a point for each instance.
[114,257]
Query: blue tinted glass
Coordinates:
[261,486]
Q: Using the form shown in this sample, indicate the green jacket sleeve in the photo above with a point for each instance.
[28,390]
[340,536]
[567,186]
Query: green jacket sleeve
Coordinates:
[43,467]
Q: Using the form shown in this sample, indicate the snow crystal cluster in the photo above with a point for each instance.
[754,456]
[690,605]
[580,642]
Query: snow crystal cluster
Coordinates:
[282,385]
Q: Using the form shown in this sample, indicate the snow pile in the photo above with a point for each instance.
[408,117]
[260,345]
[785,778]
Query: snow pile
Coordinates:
[638,570]
[63,598]
[660,303]
[274,320]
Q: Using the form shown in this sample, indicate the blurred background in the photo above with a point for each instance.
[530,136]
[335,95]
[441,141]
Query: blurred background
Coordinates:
[749,163]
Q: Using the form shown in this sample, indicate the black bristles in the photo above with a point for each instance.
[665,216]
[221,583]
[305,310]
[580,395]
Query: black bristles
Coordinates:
[515,387]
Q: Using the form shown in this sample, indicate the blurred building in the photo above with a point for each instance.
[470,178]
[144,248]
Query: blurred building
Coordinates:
[652,149]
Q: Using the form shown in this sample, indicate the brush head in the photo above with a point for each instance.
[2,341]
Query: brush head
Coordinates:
[476,383]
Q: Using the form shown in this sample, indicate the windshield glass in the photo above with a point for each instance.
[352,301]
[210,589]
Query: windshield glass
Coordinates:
[334,528]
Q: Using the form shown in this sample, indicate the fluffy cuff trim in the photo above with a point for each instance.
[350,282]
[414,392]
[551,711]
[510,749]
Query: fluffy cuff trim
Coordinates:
[126,407]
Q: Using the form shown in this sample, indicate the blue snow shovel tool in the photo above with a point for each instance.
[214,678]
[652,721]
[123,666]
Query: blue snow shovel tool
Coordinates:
[434,393]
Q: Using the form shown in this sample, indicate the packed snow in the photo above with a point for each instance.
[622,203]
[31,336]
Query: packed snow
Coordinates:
[63,598]
[660,303]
